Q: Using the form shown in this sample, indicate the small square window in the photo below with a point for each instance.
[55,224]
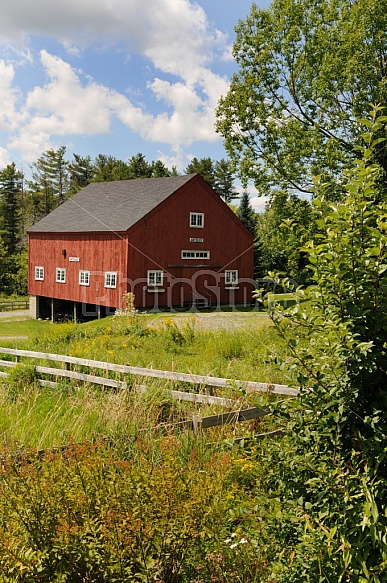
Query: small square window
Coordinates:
[111,279]
[60,275]
[39,273]
[196,220]
[84,277]
[155,277]
[231,277]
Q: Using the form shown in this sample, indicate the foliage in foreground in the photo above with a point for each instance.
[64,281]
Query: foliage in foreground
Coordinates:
[333,488]
[163,514]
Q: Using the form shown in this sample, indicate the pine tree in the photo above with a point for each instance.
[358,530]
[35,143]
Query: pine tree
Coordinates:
[139,167]
[204,167]
[81,172]
[108,168]
[11,194]
[224,181]
[246,213]
[3,266]
[50,184]
[159,169]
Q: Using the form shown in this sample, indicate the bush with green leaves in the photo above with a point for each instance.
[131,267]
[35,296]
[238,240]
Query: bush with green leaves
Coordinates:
[332,481]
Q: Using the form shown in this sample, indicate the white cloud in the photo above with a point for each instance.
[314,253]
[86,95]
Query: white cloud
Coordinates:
[64,106]
[259,203]
[60,107]
[192,118]
[180,159]
[8,97]
[30,144]
[5,158]
[174,34]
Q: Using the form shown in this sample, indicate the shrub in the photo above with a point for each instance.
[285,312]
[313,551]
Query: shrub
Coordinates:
[332,480]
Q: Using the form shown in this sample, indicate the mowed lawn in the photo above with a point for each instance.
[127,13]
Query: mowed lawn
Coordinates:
[16,326]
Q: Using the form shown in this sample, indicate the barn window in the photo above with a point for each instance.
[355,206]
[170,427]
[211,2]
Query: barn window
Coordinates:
[84,277]
[155,277]
[60,275]
[110,279]
[188,254]
[196,220]
[39,273]
[231,277]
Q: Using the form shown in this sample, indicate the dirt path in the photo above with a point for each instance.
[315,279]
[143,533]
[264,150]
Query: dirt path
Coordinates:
[216,320]
[11,315]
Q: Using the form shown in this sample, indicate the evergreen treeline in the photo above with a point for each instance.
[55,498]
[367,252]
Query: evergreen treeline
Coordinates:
[54,179]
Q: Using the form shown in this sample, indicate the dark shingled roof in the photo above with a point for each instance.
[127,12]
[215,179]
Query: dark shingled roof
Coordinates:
[110,206]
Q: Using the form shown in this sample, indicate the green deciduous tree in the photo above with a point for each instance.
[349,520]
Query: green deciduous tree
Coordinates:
[287,224]
[306,72]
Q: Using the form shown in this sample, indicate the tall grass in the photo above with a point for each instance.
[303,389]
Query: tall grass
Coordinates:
[35,416]
[164,344]
[42,417]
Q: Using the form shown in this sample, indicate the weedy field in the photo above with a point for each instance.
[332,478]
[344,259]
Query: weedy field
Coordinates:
[223,345]
[118,498]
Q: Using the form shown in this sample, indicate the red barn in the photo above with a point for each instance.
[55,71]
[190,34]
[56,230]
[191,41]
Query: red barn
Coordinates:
[171,241]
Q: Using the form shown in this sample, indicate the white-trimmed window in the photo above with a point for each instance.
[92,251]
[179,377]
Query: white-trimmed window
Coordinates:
[231,277]
[111,279]
[84,277]
[39,273]
[196,220]
[155,277]
[60,275]
[189,254]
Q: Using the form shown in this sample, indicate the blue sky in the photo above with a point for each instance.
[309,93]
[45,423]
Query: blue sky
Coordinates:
[115,77]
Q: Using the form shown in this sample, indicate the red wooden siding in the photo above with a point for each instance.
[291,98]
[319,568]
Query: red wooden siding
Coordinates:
[157,240]
[97,253]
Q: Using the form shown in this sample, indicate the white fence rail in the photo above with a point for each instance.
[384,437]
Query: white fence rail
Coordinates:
[205,381]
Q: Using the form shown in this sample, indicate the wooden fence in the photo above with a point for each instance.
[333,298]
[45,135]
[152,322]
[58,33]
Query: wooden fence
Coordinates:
[14,305]
[198,380]
[208,383]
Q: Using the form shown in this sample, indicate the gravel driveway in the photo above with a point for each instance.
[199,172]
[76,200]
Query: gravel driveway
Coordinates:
[11,315]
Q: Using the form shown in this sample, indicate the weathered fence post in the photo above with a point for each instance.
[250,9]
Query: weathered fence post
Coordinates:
[197,423]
